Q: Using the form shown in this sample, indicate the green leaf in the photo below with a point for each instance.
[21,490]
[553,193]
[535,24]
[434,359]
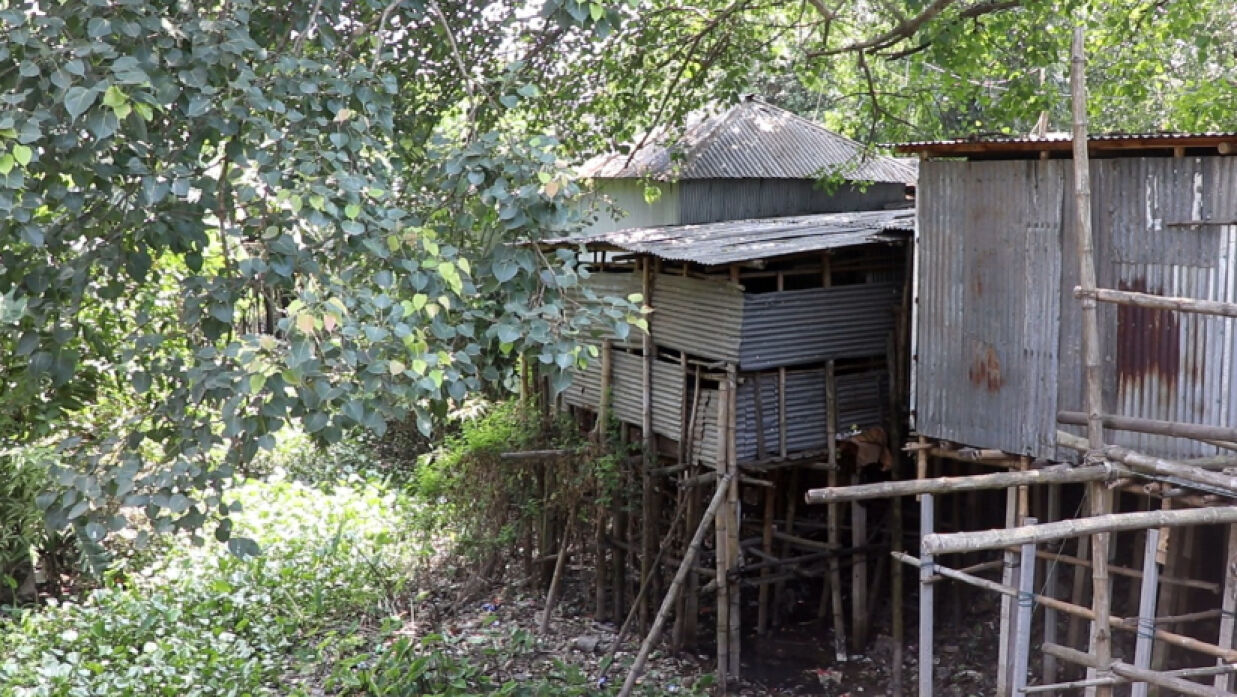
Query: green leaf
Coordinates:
[22,154]
[77,100]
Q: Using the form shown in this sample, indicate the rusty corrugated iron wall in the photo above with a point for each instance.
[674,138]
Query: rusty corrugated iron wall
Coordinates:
[998,331]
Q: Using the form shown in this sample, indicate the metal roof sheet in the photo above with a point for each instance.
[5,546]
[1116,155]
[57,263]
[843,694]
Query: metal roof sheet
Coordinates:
[1128,143]
[734,241]
[753,140]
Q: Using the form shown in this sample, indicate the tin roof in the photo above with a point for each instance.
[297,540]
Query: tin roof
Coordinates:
[734,241]
[1110,144]
[753,140]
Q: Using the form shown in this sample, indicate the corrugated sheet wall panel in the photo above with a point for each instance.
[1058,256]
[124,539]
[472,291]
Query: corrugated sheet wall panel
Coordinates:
[988,296]
[700,317]
[712,200]
[861,402]
[808,326]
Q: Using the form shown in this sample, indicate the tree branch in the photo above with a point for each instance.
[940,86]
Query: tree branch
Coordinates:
[907,28]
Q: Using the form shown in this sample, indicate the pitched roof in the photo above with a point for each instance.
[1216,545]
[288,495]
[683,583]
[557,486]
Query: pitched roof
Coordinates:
[753,140]
[733,241]
[1104,144]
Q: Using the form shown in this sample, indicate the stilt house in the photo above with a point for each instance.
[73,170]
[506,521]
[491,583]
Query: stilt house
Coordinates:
[775,327]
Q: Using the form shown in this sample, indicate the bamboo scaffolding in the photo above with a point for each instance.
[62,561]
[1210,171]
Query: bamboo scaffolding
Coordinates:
[1221,670]
[676,585]
[1228,605]
[1057,474]
[1132,673]
[1159,302]
[1156,465]
[1167,637]
[951,543]
[1157,427]
[1130,573]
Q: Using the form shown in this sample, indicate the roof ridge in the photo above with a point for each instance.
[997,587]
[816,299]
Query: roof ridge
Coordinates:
[710,133]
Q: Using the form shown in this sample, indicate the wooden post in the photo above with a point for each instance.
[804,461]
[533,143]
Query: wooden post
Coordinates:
[792,501]
[1026,592]
[925,597]
[689,560]
[648,522]
[1146,609]
[834,514]
[895,587]
[1050,588]
[601,434]
[1228,605]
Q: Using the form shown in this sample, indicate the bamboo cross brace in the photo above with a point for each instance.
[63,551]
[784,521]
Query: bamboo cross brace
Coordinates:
[950,543]
[689,558]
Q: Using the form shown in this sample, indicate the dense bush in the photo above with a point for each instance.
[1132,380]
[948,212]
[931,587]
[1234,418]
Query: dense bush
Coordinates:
[201,621]
[23,476]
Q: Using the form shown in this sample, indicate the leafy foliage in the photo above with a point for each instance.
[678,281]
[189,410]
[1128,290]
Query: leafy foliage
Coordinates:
[164,169]
[202,621]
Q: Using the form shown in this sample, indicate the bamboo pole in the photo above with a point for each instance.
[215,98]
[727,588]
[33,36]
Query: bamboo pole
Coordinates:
[1057,474]
[557,579]
[1159,302]
[1132,673]
[1157,427]
[1131,573]
[733,512]
[834,515]
[896,591]
[1223,669]
[951,543]
[1164,636]
[791,501]
[676,585]
[859,574]
[1051,575]
[721,548]
[1228,605]
[648,507]
[1146,609]
[1005,631]
[762,607]
[926,515]
[1156,465]
[1022,640]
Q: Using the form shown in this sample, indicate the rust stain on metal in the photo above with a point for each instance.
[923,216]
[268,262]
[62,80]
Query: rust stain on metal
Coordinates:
[1148,341]
[986,368]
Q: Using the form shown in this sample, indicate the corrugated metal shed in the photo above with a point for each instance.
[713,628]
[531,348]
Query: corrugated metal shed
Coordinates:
[808,326]
[734,241]
[753,140]
[999,331]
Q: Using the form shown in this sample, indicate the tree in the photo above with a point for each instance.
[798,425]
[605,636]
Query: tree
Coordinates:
[165,168]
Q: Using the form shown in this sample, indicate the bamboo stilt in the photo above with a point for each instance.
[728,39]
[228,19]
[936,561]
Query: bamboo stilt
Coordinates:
[926,609]
[676,584]
[791,500]
[1132,673]
[1228,605]
[1051,576]
[1005,632]
[762,621]
[734,514]
[834,514]
[1022,639]
[1146,609]
[859,574]
[557,579]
